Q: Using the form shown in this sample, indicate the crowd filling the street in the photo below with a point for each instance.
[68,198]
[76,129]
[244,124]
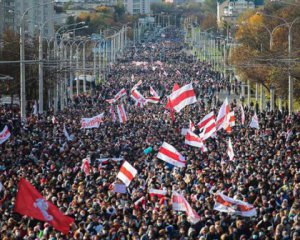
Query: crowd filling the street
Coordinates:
[163,149]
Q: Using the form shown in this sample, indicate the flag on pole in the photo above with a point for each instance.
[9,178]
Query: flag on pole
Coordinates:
[183,97]
[153,92]
[207,118]
[243,114]
[126,173]
[86,166]
[31,203]
[141,201]
[209,129]
[4,134]
[121,113]
[170,155]
[112,112]
[222,115]
[158,193]
[136,85]
[230,150]
[226,204]
[193,140]
[191,126]
[179,203]
[254,122]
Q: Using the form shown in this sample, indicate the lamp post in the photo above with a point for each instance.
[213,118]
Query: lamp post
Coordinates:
[22,61]
[291,83]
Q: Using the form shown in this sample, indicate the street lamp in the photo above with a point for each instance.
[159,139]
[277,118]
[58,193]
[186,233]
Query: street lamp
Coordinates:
[289,26]
[22,61]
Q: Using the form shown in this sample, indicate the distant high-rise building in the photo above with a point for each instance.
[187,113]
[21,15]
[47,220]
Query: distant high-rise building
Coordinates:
[137,6]
[11,12]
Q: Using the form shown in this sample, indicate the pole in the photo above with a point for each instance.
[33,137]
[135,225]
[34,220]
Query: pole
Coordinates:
[248,92]
[71,75]
[41,80]
[84,73]
[291,83]
[77,69]
[262,97]
[22,73]
[272,98]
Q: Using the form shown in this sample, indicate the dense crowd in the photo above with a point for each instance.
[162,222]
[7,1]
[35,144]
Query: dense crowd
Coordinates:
[265,171]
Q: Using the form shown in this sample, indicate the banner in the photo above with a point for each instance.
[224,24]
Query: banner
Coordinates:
[93,122]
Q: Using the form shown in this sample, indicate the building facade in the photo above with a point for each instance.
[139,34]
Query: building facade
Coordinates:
[230,10]
[11,12]
[137,6]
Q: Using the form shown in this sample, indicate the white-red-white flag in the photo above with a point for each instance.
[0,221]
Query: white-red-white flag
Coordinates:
[170,155]
[86,166]
[182,97]
[209,129]
[112,112]
[226,204]
[179,203]
[140,201]
[192,126]
[222,119]
[152,99]
[93,122]
[126,173]
[193,140]
[121,113]
[201,125]
[137,85]
[138,97]
[242,114]
[230,150]
[4,134]
[120,94]
[153,92]
[254,122]
[230,122]
[157,192]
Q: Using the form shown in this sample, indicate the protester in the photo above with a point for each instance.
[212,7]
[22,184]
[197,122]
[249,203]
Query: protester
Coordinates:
[265,171]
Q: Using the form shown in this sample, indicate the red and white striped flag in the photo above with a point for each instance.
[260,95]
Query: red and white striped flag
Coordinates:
[205,120]
[4,134]
[110,101]
[153,93]
[158,193]
[192,126]
[179,203]
[230,150]
[126,173]
[193,140]
[141,201]
[138,97]
[209,128]
[112,112]
[120,94]
[152,100]
[121,113]
[222,115]
[242,114]
[254,122]
[230,122]
[137,85]
[182,97]
[86,167]
[226,204]
[170,155]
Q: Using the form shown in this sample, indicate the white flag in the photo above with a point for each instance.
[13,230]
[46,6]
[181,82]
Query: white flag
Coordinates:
[230,150]
[254,122]
[69,138]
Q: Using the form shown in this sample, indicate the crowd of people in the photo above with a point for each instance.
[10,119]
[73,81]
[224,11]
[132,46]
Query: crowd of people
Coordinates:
[265,171]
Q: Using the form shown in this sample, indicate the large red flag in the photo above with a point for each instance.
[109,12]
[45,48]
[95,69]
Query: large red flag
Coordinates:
[31,203]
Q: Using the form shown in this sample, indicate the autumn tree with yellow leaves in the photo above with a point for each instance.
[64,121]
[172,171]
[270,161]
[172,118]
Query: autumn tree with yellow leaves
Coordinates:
[261,54]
